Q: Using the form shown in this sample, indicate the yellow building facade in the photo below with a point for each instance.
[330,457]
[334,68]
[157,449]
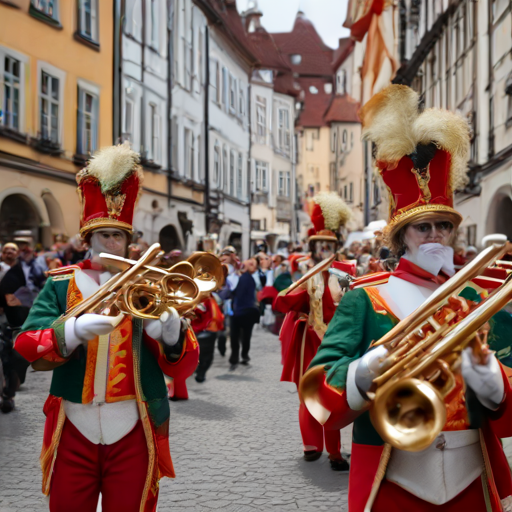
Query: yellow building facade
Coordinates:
[56,88]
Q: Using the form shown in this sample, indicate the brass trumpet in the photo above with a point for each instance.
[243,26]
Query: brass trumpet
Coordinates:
[408,409]
[144,290]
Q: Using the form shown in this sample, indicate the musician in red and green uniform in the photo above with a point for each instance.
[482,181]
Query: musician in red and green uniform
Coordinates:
[107,416]
[422,159]
[309,309]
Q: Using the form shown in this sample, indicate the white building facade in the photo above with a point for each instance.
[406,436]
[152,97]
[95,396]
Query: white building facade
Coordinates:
[272,163]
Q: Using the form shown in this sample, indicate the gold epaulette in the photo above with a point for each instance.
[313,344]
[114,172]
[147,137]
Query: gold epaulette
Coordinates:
[371,280]
[62,273]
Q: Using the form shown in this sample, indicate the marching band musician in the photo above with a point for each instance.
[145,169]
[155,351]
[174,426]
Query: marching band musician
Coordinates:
[308,310]
[422,160]
[107,416]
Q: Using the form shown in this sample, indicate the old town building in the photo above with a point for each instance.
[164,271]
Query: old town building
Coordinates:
[56,109]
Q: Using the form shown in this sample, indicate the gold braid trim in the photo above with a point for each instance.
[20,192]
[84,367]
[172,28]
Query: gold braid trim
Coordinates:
[316,288]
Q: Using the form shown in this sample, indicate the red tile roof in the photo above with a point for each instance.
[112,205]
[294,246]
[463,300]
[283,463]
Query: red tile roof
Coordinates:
[266,50]
[284,83]
[315,105]
[303,40]
[343,109]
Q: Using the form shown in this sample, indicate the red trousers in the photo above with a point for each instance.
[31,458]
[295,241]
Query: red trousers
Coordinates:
[313,435]
[177,388]
[82,470]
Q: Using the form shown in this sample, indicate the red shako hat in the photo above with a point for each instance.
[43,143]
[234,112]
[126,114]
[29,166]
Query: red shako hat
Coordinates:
[422,158]
[109,188]
[329,212]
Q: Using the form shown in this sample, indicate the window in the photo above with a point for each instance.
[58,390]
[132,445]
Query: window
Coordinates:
[261,117]
[348,193]
[232,94]
[344,139]
[225,85]
[218,82]
[284,184]
[313,89]
[284,129]
[48,7]
[87,123]
[128,119]
[11,103]
[341,82]
[295,59]
[261,176]
[155,133]
[216,165]
[232,173]
[309,140]
[225,162]
[188,50]
[49,108]
[174,143]
[154,35]
[241,108]
[88,19]
[328,88]
[240,178]
[189,153]
[132,19]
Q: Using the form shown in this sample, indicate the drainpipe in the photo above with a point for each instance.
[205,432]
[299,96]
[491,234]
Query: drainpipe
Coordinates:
[170,60]
[207,130]
[491,82]
[249,169]
[117,94]
[143,99]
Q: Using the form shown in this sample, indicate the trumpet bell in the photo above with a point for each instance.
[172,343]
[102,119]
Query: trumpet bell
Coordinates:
[408,414]
[209,273]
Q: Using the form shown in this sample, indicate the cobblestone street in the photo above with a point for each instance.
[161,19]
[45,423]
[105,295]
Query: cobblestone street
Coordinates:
[235,445]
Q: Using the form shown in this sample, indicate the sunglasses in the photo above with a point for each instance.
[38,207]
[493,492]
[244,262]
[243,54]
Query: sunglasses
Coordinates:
[425,228]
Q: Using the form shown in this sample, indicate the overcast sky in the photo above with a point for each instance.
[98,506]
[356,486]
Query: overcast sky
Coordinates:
[326,15]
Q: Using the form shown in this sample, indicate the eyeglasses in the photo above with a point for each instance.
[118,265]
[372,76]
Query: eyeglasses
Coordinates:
[425,228]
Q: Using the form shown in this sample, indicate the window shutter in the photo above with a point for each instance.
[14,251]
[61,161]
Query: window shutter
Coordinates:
[80,123]
[225,86]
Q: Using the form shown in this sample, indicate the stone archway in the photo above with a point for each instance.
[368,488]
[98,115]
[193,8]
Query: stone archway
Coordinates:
[168,238]
[16,213]
[500,213]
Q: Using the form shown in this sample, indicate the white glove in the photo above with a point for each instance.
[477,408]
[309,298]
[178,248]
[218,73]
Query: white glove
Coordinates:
[485,380]
[166,329]
[78,331]
[368,368]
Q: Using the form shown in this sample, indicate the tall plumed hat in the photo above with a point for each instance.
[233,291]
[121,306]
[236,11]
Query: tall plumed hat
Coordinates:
[422,158]
[109,187]
[328,214]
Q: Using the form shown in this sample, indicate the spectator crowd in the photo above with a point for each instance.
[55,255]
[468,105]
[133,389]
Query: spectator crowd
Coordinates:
[231,313]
